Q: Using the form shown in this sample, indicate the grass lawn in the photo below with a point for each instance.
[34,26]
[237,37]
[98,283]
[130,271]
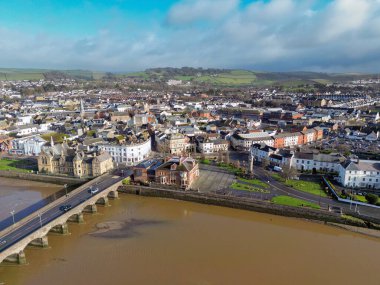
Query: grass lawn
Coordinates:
[256,182]
[290,201]
[11,164]
[306,186]
[230,168]
[57,137]
[277,177]
[360,198]
[205,161]
[353,219]
[248,188]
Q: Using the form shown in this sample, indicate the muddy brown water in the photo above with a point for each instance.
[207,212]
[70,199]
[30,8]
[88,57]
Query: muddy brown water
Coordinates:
[139,240]
[16,194]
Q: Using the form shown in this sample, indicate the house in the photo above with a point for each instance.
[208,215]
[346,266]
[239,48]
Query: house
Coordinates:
[178,171]
[360,174]
[31,145]
[310,161]
[261,151]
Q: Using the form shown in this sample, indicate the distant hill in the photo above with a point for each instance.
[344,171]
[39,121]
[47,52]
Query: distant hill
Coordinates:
[201,76]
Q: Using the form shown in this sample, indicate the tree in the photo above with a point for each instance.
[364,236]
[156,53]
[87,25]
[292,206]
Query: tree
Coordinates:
[264,162]
[220,156]
[288,172]
[372,198]
[227,157]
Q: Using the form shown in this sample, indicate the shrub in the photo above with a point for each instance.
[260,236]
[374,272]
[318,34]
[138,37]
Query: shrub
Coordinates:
[126,181]
[372,198]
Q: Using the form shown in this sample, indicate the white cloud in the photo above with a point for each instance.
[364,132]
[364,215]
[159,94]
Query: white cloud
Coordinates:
[279,35]
[188,11]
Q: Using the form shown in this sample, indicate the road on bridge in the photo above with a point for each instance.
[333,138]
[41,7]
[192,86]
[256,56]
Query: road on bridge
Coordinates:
[43,218]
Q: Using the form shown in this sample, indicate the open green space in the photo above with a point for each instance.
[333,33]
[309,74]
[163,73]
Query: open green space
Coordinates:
[15,165]
[360,198]
[57,137]
[256,182]
[295,202]
[248,188]
[307,186]
[277,177]
[230,167]
[205,161]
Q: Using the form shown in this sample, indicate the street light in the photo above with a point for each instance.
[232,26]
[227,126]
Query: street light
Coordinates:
[40,216]
[13,215]
[65,189]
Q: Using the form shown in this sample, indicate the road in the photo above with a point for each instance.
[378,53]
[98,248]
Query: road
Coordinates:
[43,218]
[323,201]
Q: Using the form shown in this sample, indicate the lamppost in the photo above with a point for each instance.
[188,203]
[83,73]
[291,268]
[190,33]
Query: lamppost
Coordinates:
[65,189]
[13,215]
[40,216]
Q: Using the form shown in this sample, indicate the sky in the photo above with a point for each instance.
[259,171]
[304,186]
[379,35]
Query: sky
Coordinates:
[131,35]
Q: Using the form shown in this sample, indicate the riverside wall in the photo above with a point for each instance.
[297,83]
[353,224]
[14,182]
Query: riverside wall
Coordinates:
[61,180]
[239,203]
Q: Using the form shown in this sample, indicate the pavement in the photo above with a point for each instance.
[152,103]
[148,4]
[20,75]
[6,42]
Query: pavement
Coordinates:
[212,179]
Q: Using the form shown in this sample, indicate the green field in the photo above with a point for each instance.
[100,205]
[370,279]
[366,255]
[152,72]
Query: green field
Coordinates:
[14,165]
[290,201]
[256,182]
[248,188]
[57,137]
[307,186]
[361,198]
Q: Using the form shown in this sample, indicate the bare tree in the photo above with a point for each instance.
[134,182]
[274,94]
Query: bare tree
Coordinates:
[288,172]
[264,162]
[220,156]
[227,157]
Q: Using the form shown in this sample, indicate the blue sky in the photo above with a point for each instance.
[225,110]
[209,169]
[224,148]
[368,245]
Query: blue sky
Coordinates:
[126,35]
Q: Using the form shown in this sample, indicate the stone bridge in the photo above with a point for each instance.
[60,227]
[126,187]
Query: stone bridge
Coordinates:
[26,233]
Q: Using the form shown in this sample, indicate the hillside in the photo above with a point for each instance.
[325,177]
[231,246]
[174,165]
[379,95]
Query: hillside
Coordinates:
[196,76]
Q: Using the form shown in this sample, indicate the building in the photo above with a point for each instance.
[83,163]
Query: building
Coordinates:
[130,152]
[261,151]
[63,160]
[178,171]
[360,174]
[317,162]
[245,141]
[207,145]
[31,145]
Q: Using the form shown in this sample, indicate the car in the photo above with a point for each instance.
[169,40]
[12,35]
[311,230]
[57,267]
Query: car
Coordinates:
[65,208]
[3,242]
[93,191]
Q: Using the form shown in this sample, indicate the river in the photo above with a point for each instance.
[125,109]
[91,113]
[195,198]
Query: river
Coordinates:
[139,240]
[16,194]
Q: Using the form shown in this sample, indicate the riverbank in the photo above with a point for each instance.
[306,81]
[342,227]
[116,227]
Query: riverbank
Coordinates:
[60,180]
[247,204]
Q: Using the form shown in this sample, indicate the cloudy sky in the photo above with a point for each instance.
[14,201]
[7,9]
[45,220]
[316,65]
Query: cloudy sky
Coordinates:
[129,35]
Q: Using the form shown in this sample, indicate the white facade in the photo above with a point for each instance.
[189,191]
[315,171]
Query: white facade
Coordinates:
[23,131]
[129,154]
[291,140]
[245,141]
[28,145]
[362,174]
[315,163]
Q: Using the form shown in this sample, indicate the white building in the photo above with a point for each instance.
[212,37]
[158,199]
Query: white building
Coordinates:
[26,130]
[317,161]
[262,151]
[245,141]
[360,174]
[31,145]
[129,154]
